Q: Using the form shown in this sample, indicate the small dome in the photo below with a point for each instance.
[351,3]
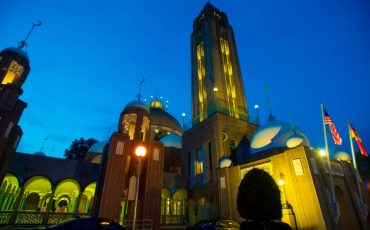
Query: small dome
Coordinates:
[17,51]
[156,104]
[41,154]
[294,141]
[97,147]
[277,134]
[172,140]
[137,104]
[225,162]
[343,156]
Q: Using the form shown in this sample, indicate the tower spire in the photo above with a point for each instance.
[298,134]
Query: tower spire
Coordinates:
[23,43]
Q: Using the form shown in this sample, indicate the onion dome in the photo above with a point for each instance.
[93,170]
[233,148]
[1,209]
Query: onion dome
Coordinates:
[40,154]
[95,152]
[15,52]
[343,156]
[156,104]
[172,140]
[277,134]
[136,104]
[225,162]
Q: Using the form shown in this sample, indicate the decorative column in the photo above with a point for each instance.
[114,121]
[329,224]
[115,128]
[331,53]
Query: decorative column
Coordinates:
[16,206]
[77,204]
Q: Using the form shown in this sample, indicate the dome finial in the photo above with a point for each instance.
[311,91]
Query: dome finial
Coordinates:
[141,81]
[23,43]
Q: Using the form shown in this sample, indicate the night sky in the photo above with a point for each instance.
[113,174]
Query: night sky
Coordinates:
[88,56]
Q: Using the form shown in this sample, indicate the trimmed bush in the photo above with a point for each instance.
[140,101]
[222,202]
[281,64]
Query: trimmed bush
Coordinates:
[259,197]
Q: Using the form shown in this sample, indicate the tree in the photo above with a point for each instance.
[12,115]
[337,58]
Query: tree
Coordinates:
[79,148]
[259,201]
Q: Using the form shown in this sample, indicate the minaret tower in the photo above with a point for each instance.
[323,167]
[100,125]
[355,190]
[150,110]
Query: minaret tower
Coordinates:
[14,69]
[217,84]
[220,130]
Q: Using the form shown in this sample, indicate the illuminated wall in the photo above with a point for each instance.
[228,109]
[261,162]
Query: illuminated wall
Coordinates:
[229,81]
[202,95]
[303,180]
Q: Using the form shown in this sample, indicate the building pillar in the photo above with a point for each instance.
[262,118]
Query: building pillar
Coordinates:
[48,207]
[77,204]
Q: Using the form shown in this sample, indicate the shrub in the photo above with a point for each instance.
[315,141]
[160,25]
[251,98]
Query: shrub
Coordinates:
[259,197]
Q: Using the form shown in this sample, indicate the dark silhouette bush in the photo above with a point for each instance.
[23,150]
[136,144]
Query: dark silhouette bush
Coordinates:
[259,198]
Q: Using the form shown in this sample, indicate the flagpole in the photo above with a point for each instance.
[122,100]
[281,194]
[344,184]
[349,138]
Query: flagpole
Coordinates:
[327,151]
[357,175]
[352,149]
[328,161]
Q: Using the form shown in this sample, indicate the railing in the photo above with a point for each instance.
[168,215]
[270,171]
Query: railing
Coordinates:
[36,218]
[173,220]
[219,109]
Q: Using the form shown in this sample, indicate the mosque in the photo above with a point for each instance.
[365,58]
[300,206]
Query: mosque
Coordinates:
[185,174]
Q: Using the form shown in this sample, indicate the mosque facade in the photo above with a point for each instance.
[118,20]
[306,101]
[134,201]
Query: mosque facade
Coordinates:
[187,174]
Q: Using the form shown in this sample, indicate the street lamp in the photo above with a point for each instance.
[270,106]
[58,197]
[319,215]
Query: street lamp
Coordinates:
[256,107]
[140,152]
[183,120]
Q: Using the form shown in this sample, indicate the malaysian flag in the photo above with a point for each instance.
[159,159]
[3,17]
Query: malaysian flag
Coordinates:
[334,132]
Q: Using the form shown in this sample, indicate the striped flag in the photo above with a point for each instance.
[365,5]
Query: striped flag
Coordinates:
[354,134]
[334,132]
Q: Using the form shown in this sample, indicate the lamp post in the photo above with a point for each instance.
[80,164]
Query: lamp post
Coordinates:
[183,115]
[287,206]
[256,107]
[140,152]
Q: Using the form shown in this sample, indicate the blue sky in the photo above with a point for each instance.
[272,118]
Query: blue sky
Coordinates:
[88,56]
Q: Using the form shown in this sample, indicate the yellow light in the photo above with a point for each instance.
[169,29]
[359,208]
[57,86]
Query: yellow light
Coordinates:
[215,89]
[104,223]
[322,152]
[281,182]
[140,151]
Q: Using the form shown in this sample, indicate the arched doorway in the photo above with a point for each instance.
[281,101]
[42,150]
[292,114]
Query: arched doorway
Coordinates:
[87,199]
[9,192]
[347,219]
[66,196]
[35,189]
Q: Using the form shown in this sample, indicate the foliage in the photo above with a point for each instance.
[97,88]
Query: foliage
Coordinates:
[79,148]
[259,197]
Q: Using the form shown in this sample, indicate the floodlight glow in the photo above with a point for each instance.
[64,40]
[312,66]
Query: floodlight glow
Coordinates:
[256,106]
[322,152]
[281,182]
